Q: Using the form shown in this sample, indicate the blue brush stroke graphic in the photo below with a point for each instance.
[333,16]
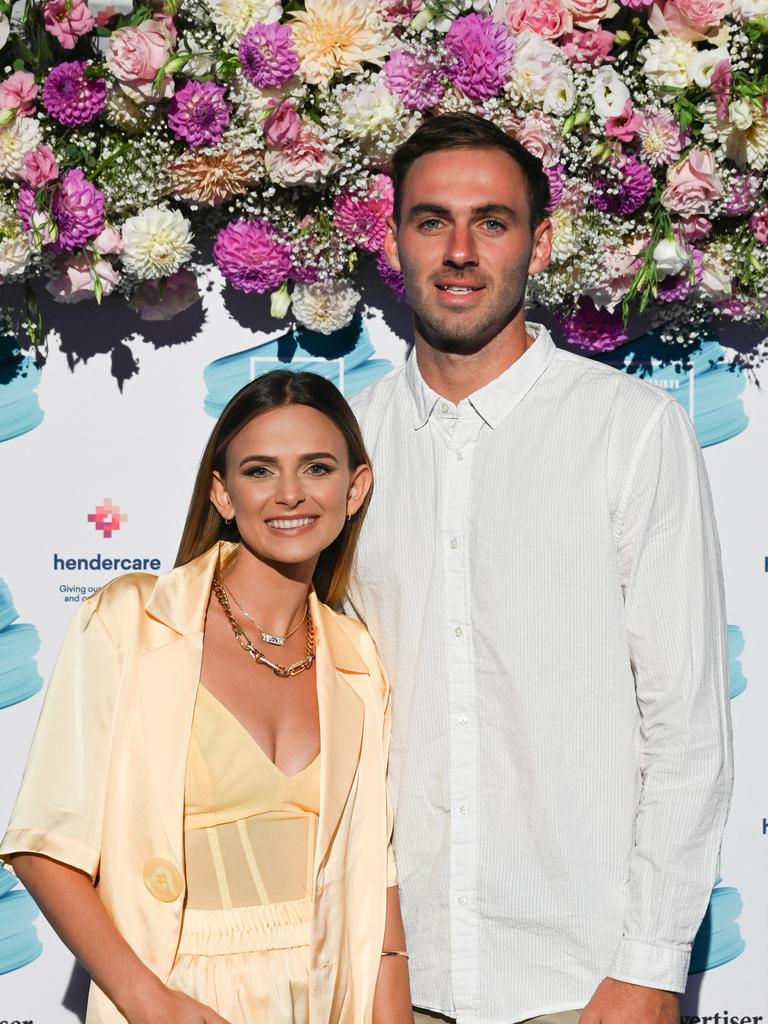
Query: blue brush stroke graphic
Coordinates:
[299,350]
[737,681]
[719,940]
[19,643]
[718,411]
[19,944]
[20,410]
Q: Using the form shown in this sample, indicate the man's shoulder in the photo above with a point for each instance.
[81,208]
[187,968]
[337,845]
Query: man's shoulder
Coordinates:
[616,388]
[377,396]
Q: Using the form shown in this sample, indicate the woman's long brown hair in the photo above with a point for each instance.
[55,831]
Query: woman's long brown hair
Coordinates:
[204,526]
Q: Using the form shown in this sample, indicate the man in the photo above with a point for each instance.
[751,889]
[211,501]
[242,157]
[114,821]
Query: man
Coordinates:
[540,571]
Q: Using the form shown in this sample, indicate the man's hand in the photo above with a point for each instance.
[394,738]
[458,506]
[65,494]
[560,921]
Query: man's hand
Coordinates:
[618,1002]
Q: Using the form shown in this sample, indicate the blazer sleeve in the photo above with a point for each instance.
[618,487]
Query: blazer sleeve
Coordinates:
[60,806]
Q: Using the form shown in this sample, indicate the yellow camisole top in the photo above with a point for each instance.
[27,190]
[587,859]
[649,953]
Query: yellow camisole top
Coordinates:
[249,829]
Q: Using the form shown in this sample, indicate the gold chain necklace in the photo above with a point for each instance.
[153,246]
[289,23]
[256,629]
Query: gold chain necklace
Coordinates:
[284,671]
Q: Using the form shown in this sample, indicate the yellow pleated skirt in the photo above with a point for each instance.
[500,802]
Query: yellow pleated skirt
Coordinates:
[249,964]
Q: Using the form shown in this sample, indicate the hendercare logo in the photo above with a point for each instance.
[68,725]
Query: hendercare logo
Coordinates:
[107,518]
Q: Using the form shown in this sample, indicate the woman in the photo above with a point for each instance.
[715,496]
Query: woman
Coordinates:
[203,818]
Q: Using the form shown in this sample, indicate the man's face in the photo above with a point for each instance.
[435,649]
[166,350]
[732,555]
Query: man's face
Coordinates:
[465,246]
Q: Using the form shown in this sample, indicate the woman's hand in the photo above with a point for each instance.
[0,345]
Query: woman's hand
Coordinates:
[166,1006]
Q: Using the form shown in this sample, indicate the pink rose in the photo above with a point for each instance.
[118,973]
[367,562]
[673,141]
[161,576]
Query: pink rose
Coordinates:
[282,126]
[589,47]
[108,241]
[39,166]
[692,185]
[19,91]
[76,279]
[134,57]
[163,299]
[589,13]
[67,20]
[692,229]
[693,20]
[540,135]
[626,125]
[305,161]
[547,18]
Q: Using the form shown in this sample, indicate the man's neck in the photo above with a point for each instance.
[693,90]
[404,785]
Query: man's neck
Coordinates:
[455,376]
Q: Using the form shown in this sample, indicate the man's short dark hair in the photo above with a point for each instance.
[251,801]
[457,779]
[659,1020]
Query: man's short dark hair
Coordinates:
[470,131]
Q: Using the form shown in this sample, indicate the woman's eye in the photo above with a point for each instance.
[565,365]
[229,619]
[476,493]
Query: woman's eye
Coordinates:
[258,471]
[319,469]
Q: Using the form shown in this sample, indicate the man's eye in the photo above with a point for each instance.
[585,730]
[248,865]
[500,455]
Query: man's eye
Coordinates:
[430,224]
[494,225]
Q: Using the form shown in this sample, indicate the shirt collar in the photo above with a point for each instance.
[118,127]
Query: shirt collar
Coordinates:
[496,399]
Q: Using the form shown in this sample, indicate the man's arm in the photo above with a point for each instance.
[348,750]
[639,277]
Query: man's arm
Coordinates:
[669,562]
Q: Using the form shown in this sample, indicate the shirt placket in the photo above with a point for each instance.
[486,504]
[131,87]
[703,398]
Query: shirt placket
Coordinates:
[459,428]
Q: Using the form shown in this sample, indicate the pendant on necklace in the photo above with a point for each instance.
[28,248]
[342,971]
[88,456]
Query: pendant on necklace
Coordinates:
[269,638]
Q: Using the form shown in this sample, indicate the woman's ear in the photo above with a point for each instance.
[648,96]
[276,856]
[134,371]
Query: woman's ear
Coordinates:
[220,497]
[359,485]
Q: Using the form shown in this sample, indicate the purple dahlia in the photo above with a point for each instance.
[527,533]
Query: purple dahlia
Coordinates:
[250,257]
[268,57]
[593,329]
[556,176]
[78,208]
[391,277]
[622,187]
[198,113]
[413,79]
[71,98]
[482,50]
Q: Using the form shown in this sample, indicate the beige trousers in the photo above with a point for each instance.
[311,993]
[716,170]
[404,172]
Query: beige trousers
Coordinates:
[569,1017]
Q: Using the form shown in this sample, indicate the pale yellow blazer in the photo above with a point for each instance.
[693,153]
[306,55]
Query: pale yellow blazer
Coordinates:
[104,786]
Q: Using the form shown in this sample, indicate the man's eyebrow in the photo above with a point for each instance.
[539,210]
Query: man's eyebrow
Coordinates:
[421,208]
[495,208]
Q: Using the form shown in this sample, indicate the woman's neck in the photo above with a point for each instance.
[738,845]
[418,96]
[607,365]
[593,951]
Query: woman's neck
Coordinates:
[275,595]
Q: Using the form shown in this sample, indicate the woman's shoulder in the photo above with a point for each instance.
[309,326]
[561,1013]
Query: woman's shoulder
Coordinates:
[123,596]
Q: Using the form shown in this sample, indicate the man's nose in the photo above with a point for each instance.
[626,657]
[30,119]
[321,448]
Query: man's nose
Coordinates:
[461,250]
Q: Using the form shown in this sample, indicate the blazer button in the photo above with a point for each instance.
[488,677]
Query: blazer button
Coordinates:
[163,880]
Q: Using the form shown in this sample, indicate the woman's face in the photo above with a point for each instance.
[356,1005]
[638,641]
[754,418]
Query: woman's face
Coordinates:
[288,484]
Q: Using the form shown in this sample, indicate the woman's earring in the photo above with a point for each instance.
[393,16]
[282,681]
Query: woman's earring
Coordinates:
[228,522]
[349,517]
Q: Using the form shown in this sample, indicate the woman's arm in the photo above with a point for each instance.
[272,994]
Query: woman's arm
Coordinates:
[392,1000]
[71,904]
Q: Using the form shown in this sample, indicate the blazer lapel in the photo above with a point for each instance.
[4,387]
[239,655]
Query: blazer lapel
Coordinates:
[342,714]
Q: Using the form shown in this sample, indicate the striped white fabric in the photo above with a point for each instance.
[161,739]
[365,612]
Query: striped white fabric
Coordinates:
[540,570]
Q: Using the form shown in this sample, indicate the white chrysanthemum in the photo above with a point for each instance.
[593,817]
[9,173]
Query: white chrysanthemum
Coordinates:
[17,138]
[375,117]
[336,37]
[666,61]
[325,307]
[564,241]
[15,253]
[746,146]
[234,17]
[156,242]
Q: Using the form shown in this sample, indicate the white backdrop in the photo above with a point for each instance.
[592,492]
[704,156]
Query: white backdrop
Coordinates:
[139,448]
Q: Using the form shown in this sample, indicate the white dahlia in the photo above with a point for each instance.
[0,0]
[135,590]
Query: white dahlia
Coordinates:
[156,242]
[234,17]
[15,254]
[666,61]
[336,37]
[564,240]
[17,138]
[325,307]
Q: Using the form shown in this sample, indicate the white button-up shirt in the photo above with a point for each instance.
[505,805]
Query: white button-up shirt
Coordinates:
[540,571]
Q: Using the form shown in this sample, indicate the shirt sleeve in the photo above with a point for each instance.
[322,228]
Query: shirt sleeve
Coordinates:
[669,561]
[60,806]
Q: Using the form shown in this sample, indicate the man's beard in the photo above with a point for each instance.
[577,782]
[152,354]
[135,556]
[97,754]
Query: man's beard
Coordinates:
[464,332]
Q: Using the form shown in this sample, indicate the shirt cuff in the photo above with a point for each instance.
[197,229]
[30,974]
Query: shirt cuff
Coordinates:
[640,963]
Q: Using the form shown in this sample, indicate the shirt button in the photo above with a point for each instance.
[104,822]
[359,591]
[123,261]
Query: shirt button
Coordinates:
[444,407]
[462,901]
[454,542]
[462,719]
[458,631]
[463,809]
[459,457]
